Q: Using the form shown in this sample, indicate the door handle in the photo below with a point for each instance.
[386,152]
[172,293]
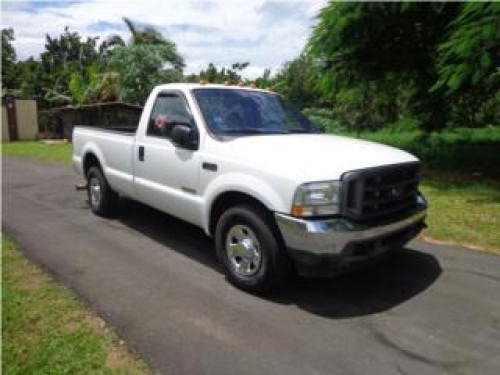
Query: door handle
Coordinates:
[141,153]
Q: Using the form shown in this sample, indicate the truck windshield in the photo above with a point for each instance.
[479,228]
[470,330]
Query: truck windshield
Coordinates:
[241,112]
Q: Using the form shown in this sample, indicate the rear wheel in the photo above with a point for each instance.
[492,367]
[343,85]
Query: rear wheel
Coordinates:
[103,200]
[250,249]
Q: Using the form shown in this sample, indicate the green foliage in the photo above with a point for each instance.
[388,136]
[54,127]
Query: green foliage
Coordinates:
[297,81]
[435,62]
[65,57]
[213,75]
[31,79]
[93,86]
[133,69]
[105,87]
[368,64]
[459,149]
[76,88]
[143,66]
[359,48]
[324,119]
[74,71]
[468,57]
[9,71]
[265,81]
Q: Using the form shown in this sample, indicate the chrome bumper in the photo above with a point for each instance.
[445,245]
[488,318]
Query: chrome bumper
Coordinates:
[332,236]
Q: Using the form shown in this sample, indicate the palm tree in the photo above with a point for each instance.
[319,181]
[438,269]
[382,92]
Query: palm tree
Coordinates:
[147,59]
[147,35]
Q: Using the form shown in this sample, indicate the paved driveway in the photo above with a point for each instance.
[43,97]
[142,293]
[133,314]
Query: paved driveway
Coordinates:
[428,310]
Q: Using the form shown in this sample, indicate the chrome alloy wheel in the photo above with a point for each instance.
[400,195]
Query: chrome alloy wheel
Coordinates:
[243,250]
[95,191]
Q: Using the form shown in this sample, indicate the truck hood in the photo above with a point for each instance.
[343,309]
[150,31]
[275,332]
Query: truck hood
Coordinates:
[309,157]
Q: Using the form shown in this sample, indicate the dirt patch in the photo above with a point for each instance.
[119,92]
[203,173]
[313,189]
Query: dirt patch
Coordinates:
[28,277]
[118,357]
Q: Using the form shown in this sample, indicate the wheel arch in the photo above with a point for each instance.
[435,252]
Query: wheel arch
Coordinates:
[90,160]
[229,199]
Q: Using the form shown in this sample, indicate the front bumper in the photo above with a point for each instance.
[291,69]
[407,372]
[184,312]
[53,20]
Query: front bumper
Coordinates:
[331,246]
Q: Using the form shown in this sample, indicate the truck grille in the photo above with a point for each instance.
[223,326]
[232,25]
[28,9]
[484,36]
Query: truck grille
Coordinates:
[380,192]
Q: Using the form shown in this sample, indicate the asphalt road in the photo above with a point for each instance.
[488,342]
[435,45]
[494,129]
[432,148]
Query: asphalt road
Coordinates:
[428,310]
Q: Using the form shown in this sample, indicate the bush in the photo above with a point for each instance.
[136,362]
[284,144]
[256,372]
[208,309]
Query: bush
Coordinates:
[324,118]
[458,150]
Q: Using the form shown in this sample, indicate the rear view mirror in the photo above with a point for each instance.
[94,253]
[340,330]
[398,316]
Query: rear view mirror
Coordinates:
[185,136]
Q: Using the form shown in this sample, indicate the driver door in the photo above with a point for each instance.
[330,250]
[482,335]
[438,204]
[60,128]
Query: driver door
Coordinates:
[166,176]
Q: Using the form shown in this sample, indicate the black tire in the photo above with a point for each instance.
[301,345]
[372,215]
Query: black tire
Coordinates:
[105,201]
[273,266]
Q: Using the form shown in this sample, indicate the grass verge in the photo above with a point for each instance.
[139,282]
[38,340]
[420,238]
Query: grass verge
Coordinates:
[463,211]
[47,331]
[57,152]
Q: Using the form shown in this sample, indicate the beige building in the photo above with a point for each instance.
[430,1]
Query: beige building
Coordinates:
[19,119]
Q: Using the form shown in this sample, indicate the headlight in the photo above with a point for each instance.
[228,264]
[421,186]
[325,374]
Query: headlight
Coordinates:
[317,199]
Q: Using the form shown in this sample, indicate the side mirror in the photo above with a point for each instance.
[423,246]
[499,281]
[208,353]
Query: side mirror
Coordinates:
[184,136]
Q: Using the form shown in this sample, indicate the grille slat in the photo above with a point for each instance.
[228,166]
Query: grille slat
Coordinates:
[377,192]
[413,180]
[387,199]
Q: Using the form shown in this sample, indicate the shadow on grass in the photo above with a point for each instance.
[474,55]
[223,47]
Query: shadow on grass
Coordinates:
[474,189]
[383,286]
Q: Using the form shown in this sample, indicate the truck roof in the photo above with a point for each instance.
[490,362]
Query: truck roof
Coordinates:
[191,86]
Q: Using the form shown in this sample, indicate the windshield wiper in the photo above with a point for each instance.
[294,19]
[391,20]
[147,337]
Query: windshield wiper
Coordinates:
[245,131]
[302,130]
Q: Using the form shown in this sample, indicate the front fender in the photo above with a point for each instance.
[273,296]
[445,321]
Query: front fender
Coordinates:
[241,183]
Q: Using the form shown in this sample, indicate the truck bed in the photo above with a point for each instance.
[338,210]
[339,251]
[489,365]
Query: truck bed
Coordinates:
[114,145]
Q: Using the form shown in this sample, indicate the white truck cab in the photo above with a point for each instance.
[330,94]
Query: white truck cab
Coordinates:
[246,166]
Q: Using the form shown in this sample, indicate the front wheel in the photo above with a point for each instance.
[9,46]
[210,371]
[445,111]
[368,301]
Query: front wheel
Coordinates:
[250,250]
[103,200]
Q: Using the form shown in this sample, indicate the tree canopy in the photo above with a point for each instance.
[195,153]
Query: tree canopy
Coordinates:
[433,49]
[141,67]
[366,65]
[9,78]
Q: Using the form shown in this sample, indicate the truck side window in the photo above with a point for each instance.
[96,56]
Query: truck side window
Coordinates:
[168,110]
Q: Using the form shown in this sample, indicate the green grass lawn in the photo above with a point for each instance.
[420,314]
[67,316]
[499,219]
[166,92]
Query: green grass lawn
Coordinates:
[47,331]
[58,152]
[464,209]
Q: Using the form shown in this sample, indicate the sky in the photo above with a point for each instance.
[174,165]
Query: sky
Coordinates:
[265,33]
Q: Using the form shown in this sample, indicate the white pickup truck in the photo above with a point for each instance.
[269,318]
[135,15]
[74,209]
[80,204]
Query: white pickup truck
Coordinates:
[252,171]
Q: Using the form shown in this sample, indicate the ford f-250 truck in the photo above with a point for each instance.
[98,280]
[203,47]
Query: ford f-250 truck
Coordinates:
[252,171]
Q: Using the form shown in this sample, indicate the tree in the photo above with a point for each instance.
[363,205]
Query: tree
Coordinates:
[147,35]
[297,80]
[366,42]
[265,81]
[63,57]
[147,60]
[9,74]
[213,75]
[31,77]
[471,53]
[141,67]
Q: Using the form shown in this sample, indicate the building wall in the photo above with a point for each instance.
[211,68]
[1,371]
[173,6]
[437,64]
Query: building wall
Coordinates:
[27,119]
[5,125]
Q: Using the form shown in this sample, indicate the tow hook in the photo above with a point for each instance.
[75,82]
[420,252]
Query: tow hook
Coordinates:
[79,187]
